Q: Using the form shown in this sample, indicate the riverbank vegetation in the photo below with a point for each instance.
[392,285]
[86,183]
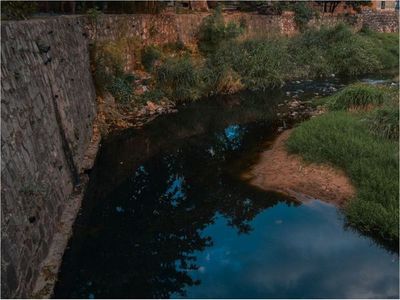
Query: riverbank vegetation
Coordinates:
[228,61]
[359,134]
[225,60]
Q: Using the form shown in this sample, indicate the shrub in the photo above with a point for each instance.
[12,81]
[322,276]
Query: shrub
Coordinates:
[228,82]
[357,96]
[341,139]
[121,88]
[335,50]
[384,122]
[150,55]
[18,10]
[261,64]
[153,96]
[213,32]
[179,79]
[303,14]
[108,61]
[175,46]
[385,47]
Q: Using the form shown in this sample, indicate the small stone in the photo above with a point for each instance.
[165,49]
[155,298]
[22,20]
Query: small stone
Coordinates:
[151,105]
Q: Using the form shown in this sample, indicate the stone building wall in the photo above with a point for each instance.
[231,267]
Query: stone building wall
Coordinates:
[48,106]
[47,109]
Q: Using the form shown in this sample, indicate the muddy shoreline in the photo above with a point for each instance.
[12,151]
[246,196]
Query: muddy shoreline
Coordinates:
[276,170]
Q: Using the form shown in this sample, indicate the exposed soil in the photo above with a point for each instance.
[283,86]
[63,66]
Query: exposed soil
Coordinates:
[279,171]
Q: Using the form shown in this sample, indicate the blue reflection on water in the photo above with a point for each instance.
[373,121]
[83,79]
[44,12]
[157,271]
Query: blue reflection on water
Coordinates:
[294,252]
[175,191]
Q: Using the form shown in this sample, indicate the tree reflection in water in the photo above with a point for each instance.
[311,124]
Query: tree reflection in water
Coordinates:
[137,237]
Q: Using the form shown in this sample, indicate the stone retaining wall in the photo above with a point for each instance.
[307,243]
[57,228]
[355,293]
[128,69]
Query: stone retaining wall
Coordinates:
[47,109]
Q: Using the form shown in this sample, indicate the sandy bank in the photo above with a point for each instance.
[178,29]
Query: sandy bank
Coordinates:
[276,170]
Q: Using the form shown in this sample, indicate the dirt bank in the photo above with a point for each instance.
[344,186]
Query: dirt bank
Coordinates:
[276,170]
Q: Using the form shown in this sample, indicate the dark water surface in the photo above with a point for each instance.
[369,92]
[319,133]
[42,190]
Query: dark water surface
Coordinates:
[165,216]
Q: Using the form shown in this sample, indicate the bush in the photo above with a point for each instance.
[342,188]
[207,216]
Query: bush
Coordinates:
[341,139]
[153,96]
[121,88]
[336,50]
[385,47]
[150,55]
[260,64]
[213,32]
[108,61]
[384,122]
[179,79]
[18,10]
[357,96]
[303,14]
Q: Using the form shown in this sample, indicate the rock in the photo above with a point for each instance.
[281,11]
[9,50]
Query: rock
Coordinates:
[151,106]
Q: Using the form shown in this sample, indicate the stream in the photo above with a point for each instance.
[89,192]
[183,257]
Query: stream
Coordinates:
[166,215]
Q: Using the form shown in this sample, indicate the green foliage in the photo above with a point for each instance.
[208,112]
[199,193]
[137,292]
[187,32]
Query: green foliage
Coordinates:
[93,14]
[18,10]
[176,46]
[150,55]
[121,88]
[179,79]
[213,31]
[108,61]
[303,14]
[341,139]
[385,47]
[260,64]
[153,96]
[384,122]
[357,96]
[336,50]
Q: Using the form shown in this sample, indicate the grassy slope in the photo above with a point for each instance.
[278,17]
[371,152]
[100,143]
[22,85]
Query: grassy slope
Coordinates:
[343,139]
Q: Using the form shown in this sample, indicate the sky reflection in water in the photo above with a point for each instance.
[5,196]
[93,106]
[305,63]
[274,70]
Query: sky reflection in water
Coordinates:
[294,252]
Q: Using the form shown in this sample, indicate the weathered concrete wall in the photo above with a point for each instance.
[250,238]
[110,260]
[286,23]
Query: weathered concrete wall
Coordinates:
[47,109]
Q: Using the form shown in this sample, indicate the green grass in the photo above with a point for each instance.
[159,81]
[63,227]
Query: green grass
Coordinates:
[357,95]
[179,79]
[150,55]
[343,140]
[384,122]
[228,64]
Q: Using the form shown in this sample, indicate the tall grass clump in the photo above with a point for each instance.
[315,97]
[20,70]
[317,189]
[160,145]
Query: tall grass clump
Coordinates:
[179,79]
[384,122]
[108,61]
[341,139]
[335,50]
[385,47]
[357,96]
[261,64]
[213,32]
[149,56]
